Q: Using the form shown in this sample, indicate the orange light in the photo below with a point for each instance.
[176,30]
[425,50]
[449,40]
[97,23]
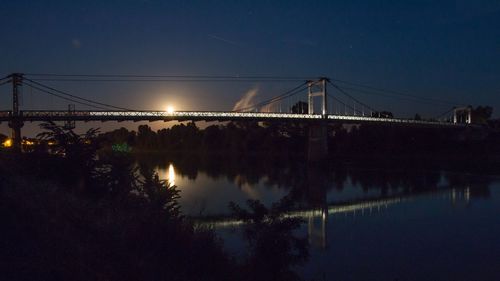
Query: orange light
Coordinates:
[7,143]
[28,142]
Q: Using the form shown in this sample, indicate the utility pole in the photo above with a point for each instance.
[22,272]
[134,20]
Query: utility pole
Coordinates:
[16,122]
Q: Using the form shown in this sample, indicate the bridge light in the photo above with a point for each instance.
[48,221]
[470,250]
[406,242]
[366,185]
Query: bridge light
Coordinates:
[170,109]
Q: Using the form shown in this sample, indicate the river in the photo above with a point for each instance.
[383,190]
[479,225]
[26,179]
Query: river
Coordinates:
[363,221]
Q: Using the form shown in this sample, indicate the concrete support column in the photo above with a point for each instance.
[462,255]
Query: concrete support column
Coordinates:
[15,125]
[16,122]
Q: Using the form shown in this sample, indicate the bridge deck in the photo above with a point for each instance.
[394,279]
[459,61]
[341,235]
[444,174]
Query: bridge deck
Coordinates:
[62,115]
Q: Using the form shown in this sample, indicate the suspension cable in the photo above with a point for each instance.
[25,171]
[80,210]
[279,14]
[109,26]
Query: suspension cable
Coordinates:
[350,96]
[77,97]
[375,90]
[287,94]
[7,80]
[343,103]
[63,97]
[444,113]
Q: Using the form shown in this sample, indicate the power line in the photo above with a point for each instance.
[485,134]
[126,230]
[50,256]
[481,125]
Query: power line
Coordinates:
[77,97]
[170,75]
[89,80]
[128,77]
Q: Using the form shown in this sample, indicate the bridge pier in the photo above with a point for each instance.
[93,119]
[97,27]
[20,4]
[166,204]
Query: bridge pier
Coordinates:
[15,125]
[317,149]
[16,121]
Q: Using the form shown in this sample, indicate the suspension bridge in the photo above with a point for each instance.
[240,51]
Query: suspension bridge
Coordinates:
[319,108]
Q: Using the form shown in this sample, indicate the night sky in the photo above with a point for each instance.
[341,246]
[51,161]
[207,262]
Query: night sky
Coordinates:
[443,49]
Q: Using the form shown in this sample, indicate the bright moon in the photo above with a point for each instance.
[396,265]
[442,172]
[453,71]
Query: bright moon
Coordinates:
[170,109]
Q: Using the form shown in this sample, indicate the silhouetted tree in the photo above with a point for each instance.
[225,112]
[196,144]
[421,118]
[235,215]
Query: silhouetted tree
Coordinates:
[160,195]
[273,248]
[481,114]
[300,107]
[78,151]
[382,114]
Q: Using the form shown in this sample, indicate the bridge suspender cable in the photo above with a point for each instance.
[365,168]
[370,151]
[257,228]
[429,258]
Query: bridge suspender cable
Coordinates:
[77,97]
[344,104]
[444,113]
[391,93]
[287,94]
[350,96]
[411,98]
[356,87]
[418,99]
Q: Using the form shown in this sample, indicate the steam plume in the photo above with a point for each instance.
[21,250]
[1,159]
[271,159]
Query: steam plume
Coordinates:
[246,100]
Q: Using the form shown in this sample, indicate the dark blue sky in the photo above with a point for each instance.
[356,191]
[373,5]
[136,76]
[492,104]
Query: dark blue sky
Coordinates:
[443,49]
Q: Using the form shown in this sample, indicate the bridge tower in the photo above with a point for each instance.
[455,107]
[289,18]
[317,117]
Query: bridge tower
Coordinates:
[318,133]
[317,89]
[461,113]
[16,122]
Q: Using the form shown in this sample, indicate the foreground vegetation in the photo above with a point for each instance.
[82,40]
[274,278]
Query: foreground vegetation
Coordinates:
[72,215]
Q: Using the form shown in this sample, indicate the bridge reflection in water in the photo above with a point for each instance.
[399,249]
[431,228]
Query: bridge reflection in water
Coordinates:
[317,218]
[318,203]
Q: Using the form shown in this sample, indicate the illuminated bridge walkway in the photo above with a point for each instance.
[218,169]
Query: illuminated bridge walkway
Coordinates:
[86,116]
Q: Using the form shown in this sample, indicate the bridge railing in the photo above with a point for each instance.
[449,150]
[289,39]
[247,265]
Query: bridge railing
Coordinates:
[388,120]
[85,115]
[184,114]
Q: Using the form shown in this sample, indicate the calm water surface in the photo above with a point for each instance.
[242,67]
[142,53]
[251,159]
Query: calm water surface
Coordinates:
[362,223]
